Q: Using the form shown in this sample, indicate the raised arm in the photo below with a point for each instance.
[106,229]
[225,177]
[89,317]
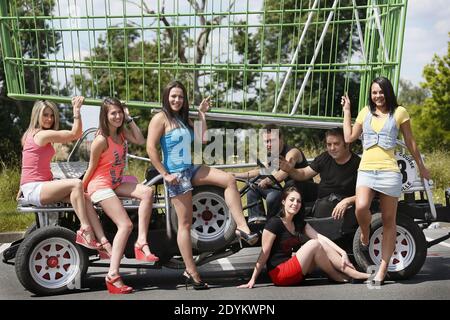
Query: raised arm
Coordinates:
[267,241]
[44,137]
[133,134]
[410,142]
[199,132]
[350,133]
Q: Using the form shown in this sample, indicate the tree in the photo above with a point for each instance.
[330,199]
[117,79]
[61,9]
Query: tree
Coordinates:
[410,94]
[14,114]
[431,120]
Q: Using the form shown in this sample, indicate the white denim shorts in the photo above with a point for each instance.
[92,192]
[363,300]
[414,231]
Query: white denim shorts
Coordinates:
[102,194]
[386,182]
[32,192]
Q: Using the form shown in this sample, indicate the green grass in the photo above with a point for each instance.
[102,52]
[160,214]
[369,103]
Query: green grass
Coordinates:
[10,219]
[438,162]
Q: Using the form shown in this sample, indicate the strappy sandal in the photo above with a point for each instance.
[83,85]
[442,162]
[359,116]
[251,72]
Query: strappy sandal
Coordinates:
[82,240]
[113,289]
[102,252]
[140,255]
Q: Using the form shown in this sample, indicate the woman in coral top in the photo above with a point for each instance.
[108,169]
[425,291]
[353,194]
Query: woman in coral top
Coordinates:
[378,171]
[103,181]
[36,181]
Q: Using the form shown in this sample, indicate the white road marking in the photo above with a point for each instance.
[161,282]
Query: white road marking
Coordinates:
[441,243]
[4,246]
[225,264]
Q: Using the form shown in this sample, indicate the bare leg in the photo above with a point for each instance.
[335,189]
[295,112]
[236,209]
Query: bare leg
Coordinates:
[97,226]
[207,175]
[60,190]
[145,195]
[312,255]
[183,207]
[69,190]
[364,197]
[336,260]
[388,206]
[114,209]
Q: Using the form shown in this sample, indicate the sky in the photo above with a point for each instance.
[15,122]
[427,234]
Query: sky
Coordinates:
[426,34]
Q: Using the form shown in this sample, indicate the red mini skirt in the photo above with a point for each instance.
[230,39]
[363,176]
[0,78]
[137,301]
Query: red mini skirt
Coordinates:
[287,273]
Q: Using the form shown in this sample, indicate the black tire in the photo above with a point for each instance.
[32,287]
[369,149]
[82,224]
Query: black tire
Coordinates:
[33,227]
[409,254]
[48,261]
[212,225]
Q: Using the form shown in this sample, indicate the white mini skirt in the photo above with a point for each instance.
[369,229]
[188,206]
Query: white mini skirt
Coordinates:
[386,182]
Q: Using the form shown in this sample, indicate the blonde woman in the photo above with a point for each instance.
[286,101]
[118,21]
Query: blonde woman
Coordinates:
[36,182]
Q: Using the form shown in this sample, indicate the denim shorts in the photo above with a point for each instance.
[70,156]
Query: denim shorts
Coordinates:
[386,182]
[184,181]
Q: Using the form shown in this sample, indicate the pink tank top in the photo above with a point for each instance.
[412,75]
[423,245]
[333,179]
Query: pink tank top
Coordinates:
[109,171]
[36,161]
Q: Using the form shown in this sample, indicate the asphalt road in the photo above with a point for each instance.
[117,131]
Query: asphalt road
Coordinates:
[431,283]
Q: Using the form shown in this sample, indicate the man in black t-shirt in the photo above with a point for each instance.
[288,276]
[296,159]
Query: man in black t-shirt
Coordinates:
[338,168]
[291,155]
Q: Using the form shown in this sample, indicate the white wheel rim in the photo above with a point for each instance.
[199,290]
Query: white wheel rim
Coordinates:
[54,263]
[405,249]
[210,216]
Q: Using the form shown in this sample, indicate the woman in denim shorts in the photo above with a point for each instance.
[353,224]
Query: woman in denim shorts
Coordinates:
[380,123]
[173,130]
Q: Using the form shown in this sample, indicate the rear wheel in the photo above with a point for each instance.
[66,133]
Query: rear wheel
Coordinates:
[48,261]
[409,253]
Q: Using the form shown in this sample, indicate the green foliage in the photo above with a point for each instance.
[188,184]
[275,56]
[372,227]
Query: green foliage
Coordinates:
[438,162]
[431,120]
[15,115]
[410,94]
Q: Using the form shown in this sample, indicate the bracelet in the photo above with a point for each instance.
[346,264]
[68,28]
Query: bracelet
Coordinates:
[129,120]
[76,117]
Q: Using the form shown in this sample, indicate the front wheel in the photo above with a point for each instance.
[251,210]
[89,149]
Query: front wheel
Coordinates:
[409,253]
[48,261]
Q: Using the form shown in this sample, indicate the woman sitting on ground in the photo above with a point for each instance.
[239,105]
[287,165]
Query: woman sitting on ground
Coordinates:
[281,235]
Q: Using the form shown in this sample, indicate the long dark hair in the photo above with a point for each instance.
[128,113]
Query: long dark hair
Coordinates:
[103,120]
[183,114]
[285,194]
[389,95]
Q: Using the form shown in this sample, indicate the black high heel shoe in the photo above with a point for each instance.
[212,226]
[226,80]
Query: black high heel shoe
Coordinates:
[190,281]
[250,238]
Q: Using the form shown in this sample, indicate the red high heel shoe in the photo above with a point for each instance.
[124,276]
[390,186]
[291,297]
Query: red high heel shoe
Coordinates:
[141,256]
[82,240]
[102,252]
[123,289]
